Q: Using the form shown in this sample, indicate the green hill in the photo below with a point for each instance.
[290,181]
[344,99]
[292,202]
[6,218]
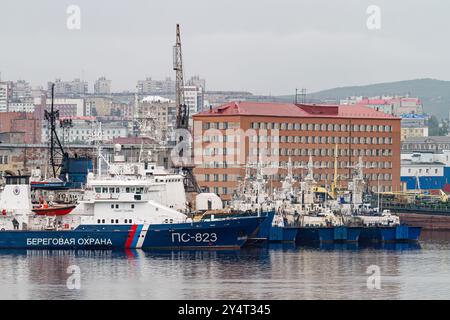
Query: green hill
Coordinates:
[435,94]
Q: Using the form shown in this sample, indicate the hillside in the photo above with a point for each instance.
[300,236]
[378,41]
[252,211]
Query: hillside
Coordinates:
[435,94]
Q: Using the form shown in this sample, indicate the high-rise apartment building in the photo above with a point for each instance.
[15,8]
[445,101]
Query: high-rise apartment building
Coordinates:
[74,87]
[102,86]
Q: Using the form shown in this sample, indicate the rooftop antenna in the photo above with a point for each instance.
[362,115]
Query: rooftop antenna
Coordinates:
[302,94]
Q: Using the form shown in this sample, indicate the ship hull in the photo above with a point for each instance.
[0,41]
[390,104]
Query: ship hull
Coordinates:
[328,234]
[265,227]
[401,233]
[221,234]
[282,234]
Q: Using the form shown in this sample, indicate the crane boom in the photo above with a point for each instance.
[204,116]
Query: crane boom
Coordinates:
[182,111]
[182,116]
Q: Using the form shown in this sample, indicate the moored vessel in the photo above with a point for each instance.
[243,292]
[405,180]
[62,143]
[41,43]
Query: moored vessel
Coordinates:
[115,215]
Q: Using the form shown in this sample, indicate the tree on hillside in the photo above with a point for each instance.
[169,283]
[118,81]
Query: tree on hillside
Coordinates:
[437,128]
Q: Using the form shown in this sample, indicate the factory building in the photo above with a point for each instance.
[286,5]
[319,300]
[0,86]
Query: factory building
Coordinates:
[425,170]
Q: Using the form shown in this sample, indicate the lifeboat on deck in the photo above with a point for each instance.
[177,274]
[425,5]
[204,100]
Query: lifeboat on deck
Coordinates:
[55,210]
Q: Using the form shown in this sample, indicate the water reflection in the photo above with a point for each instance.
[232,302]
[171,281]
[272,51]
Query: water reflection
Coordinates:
[276,271]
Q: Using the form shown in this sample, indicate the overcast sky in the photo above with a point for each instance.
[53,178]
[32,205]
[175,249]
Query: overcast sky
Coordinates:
[267,47]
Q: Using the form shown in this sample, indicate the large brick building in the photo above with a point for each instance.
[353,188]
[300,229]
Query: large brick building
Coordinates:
[227,137]
[24,122]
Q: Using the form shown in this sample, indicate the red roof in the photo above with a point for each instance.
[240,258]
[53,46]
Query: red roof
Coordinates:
[249,108]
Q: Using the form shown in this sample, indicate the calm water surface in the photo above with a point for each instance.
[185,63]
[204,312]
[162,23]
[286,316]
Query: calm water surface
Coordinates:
[277,272]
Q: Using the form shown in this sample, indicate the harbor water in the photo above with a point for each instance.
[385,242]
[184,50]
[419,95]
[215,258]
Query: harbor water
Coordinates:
[282,271]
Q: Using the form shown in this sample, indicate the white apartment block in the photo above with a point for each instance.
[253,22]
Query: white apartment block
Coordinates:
[21,107]
[197,81]
[4,93]
[85,132]
[75,86]
[150,86]
[193,98]
[102,86]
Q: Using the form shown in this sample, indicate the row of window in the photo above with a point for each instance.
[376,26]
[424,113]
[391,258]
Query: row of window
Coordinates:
[216,177]
[436,171]
[116,221]
[224,190]
[342,176]
[323,140]
[321,152]
[302,139]
[211,152]
[324,177]
[117,206]
[321,127]
[138,190]
[317,164]
[167,180]
[275,164]
[425,146]
[88,132]
[220,125]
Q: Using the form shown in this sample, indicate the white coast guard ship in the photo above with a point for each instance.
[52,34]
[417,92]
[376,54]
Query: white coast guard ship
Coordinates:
[113,213]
